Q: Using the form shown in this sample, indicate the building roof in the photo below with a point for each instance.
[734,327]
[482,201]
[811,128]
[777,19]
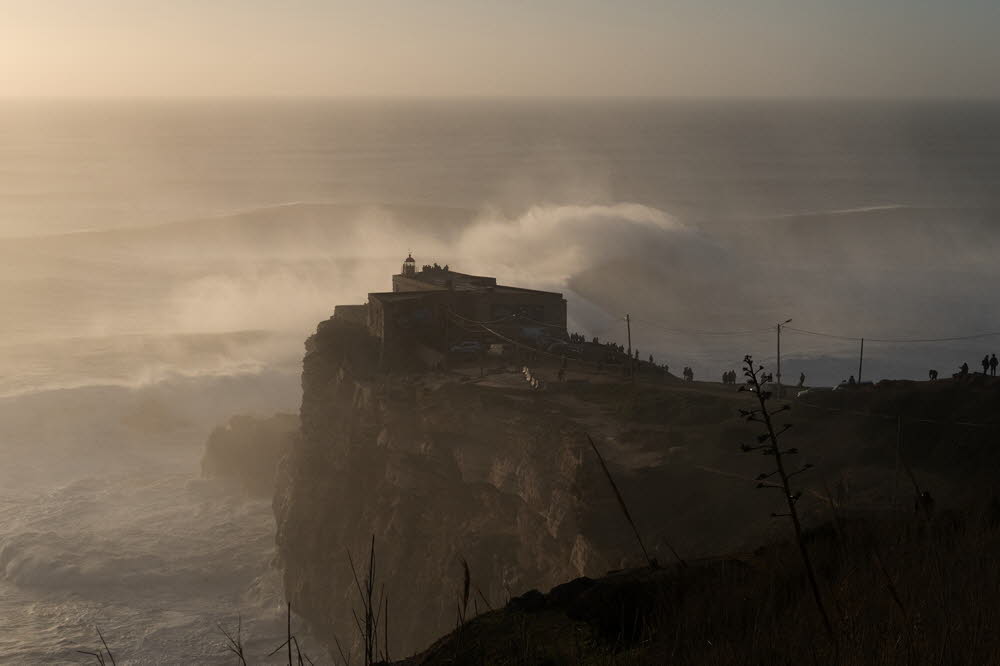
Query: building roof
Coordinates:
[452,279]
[502,288]
[448,280]
[405,295]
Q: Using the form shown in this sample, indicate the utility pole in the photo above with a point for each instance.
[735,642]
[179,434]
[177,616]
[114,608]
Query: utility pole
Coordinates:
[787,321]
[628,326]
[861,361]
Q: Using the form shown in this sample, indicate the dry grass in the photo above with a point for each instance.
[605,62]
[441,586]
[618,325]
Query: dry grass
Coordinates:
[905,591]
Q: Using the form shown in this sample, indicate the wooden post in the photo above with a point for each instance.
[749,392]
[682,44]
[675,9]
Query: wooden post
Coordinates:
[861,361]
[631,366]
[779,361]
[787,321]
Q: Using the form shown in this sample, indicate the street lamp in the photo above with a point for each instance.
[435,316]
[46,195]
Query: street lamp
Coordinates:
[787,321]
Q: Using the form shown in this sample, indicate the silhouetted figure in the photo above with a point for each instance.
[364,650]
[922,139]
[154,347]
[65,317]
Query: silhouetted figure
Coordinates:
[651,359]
[933,374]
[963,371]
[986,365]
[802,379]
[725,377]
[851,381]
[993,365]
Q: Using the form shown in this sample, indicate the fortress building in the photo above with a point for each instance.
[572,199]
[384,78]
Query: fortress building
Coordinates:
[437,307]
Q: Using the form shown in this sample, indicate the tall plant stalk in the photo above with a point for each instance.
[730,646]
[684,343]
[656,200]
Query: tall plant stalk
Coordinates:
[768,444]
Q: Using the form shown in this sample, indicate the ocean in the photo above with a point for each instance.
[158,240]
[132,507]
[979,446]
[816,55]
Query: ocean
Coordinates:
[162,262]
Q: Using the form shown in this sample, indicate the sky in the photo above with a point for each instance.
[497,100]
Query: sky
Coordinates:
[671,48]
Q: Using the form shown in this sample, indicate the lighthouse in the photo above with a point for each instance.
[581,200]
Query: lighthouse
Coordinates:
[409,266]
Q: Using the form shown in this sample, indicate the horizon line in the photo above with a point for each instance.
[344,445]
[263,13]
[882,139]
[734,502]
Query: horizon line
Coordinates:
[496,97]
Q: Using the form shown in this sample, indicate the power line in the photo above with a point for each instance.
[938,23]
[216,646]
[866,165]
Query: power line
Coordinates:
[694,332]
[850,338]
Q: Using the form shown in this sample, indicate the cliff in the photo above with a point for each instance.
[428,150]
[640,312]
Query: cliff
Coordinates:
[438,470]
[442,468]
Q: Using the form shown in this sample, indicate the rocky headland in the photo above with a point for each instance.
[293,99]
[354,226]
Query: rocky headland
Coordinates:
[474,467]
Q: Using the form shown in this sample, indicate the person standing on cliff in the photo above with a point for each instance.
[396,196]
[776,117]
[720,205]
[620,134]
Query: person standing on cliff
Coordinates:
[993,365]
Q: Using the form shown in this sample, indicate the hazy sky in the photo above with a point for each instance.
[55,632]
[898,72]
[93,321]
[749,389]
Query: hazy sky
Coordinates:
[500,47]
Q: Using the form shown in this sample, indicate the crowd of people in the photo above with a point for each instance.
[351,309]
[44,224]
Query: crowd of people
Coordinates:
[989,364]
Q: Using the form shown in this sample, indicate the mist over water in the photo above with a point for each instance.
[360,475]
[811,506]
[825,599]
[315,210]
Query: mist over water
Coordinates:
[161,264]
